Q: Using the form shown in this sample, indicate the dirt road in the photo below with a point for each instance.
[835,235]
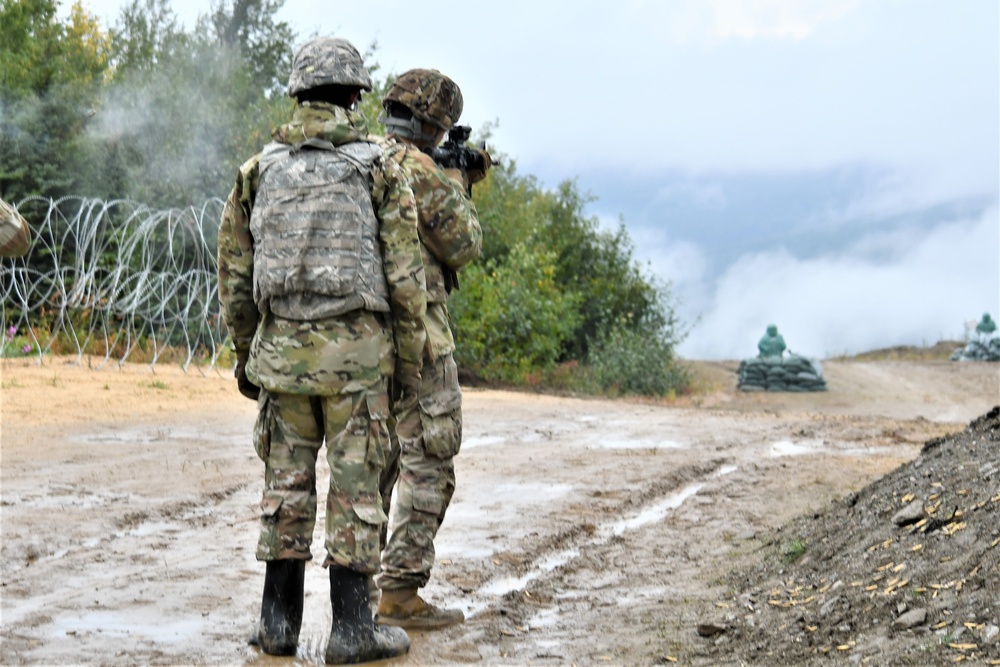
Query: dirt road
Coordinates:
[582,532]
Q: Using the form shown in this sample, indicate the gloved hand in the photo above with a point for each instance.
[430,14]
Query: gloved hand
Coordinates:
[247,388]
[406,386]
[476,175]
[458,177]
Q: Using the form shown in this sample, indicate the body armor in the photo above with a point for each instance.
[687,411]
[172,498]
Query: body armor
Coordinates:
[315,233]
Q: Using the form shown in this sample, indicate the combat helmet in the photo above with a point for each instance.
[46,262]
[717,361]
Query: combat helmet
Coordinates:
[325,61]
[429,96]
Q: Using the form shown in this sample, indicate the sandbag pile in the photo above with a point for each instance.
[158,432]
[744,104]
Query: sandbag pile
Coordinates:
[788,373]
[979,348]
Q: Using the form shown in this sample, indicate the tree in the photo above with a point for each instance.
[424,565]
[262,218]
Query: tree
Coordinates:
[186,108]
[41,54]
[249,27]
[51,73]
[594,302]
[145,32]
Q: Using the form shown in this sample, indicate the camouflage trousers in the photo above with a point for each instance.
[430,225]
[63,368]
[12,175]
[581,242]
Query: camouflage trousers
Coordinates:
[290,430]
[421,465]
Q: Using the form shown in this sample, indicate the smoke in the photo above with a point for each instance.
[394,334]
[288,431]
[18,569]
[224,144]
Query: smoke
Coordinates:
[888,288]
[172,129]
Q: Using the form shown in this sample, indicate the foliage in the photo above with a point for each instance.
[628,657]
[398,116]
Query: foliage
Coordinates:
[187,108]
[249,28]
[50,77]
[41,54]
[15,344]
[144,110]
[794,550]
[371,102]
[511,317]
[629,318]
[629,360]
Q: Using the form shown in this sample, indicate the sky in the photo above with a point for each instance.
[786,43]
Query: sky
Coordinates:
[829,166]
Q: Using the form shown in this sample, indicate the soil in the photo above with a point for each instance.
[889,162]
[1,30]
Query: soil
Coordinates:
[720,528]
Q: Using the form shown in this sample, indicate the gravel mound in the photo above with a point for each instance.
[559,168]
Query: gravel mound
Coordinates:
[904,572]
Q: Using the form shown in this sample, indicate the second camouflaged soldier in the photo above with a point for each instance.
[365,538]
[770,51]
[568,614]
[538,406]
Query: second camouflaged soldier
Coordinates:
[771,343]
[319,272]
[420,107]
[15,236]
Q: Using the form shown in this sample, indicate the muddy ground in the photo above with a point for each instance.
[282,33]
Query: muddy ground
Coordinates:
[583,531]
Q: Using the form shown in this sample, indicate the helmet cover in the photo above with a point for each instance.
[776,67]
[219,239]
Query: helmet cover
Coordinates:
[327,61]
[430,95]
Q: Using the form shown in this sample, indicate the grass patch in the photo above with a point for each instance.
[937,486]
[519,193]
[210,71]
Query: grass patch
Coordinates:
[794,550]
[940,351]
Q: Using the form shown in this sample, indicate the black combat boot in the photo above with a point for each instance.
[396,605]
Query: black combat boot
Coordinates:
[277,632]
[354,636]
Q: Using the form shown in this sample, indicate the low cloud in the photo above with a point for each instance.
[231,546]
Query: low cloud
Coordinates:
[855,300]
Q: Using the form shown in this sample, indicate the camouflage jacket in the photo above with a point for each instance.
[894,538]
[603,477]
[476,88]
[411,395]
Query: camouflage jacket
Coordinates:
[337,354]
[443,206]
[15,236]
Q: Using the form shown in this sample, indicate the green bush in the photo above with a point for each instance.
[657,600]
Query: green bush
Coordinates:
[511,318]
[630,360]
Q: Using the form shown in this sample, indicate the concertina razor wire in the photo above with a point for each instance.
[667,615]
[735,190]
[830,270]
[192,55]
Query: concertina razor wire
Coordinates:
[118,280]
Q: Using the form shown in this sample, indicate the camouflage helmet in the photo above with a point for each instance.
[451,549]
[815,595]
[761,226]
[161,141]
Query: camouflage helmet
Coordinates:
[429,95]
[327,61]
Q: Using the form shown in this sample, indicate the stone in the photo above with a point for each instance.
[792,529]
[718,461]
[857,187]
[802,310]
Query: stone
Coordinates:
[910,619]
[910,514]
[710,629]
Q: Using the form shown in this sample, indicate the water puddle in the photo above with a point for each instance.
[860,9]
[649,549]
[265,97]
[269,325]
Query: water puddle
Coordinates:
[482,441]
[807,447]
[801,448]
[657,511]
[145,436]
[111,624]
[155,528]
[546,617]
[624,443]
[504,585]
[485,514]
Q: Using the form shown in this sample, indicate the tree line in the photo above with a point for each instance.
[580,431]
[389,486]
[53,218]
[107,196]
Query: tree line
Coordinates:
[151,111]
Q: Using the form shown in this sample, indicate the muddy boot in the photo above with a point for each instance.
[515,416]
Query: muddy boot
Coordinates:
[354,636]
[277,632]
[403,608]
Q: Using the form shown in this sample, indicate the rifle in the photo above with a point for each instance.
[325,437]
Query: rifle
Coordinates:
[454,154]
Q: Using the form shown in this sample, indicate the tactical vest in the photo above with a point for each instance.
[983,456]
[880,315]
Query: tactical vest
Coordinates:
[316,243]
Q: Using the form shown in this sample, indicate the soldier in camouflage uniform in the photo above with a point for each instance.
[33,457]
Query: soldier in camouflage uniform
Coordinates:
[421,106]
[771,343]
[15,236]
[320,277]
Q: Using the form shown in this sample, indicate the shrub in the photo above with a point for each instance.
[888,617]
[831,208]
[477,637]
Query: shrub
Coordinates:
[631,360]
[511,318]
